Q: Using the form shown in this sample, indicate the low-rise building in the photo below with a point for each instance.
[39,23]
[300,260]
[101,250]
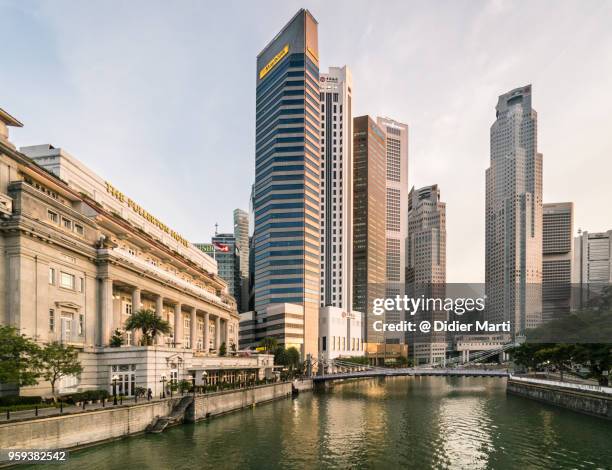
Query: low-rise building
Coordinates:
[78,257]
[339,334]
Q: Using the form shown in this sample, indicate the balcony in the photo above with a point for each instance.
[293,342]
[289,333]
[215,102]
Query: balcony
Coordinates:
[166,276]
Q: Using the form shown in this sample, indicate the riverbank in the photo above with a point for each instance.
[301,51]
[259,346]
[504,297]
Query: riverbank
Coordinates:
[87,428]
[586,399]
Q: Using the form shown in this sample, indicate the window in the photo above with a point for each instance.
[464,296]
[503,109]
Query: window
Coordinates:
[81,284]
[52,217]
[128,308]
[67,223]
[79,229]
[67,280]
[52,276]
[51,320]
[81,324]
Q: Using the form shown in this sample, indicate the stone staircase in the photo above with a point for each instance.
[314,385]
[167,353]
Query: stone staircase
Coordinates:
[177,415]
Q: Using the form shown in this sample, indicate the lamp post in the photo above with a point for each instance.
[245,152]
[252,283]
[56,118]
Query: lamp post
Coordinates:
[115,379]
[163,381]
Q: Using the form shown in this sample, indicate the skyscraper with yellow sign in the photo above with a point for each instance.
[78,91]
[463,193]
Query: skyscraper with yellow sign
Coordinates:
[287,186]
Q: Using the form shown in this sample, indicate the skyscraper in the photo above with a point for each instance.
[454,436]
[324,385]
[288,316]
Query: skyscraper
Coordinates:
[369,210]
[513,259]
[287,180]
[241,235]
[336,189]
[557,259]
[396,216]
[426,267]
[592,268]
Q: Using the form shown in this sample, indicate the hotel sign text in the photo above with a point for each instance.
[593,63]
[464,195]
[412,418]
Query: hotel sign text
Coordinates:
[143,213]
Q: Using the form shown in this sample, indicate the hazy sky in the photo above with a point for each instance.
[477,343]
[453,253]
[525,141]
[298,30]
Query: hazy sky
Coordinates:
[159,97]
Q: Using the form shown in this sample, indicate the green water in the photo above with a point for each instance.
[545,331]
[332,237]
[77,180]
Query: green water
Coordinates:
[428,422]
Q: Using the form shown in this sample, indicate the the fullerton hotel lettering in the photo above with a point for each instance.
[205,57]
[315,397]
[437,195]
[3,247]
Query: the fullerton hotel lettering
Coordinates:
[143,213]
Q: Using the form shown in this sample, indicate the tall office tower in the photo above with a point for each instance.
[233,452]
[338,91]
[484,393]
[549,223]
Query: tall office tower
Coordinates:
[227,254]
[397,210]
[241,234]
[336,189]
[369,208]
[592,268]
[287,182]
[513,264]
[557,257]
[426,267]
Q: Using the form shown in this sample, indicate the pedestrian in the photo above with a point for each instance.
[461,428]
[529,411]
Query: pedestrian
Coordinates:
[149,394]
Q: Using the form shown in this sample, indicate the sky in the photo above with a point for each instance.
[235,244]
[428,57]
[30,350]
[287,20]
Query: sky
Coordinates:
[158,97]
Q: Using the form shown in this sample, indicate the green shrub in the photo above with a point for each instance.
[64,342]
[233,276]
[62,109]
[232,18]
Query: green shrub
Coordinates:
[13,400]
[25,407]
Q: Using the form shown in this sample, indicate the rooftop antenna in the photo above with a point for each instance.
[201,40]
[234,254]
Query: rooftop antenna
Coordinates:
[216,228]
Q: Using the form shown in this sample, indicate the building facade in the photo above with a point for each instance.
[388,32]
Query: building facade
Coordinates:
[287,180]
[396,222]
[592,267]
[557,258]
[369,215]
[241,235]
[336,189]
[340,333]
[426,268]
[513,253]
[78,257]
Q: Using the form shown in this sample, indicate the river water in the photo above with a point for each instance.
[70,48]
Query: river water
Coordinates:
[403,422]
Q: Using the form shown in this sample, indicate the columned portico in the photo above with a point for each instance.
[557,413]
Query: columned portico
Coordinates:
[136,304]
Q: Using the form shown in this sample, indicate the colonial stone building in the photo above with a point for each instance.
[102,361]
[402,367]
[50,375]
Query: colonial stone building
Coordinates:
[77,257]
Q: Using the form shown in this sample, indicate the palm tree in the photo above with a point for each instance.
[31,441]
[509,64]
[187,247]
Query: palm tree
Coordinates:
[149,323]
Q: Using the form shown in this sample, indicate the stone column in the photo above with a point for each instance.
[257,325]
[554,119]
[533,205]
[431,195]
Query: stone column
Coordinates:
[106,311]
[226,334]
[159,310]
[217,333]
[206,332]
[194,329]
[178,325]
[135,307]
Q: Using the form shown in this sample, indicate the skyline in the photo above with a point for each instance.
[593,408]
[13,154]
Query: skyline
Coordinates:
[59,71]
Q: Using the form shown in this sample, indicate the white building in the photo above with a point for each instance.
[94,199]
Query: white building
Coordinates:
[340,332]
[78,257]
[396,221]
[336,189]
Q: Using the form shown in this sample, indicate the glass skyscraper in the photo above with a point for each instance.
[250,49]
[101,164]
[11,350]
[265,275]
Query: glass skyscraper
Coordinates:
[287,183]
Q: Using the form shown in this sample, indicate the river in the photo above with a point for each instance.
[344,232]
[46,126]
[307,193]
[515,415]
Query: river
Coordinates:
[403,422]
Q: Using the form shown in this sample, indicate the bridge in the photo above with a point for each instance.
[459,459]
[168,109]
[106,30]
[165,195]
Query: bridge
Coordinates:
[412,371]
[339,369]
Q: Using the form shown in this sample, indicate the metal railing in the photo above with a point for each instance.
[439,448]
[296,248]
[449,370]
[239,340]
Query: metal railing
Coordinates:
[557,383]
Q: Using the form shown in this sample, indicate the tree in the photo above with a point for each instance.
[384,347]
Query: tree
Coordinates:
[292,357]
[559,355]
[222,349]
[269,344]
[58,361]
[149,323]
[116,340]
[19,358]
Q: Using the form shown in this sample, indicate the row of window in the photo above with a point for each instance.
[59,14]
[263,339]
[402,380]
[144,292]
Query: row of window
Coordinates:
[64,222]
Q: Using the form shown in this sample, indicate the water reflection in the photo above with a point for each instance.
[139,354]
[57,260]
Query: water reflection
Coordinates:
[428,422]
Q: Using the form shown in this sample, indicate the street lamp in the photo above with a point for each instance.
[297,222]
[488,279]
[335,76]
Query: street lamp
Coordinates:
[115,378]
[163,381]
